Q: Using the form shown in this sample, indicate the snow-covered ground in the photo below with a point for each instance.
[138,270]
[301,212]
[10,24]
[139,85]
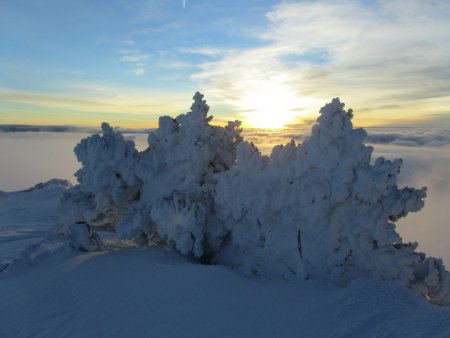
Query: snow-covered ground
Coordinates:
[154,292]
[25,216]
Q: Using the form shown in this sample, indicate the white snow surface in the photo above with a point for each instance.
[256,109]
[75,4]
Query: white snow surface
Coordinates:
[152,291]
[25,216]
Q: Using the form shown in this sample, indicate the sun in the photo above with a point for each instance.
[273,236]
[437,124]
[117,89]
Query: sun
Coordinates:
[269,106]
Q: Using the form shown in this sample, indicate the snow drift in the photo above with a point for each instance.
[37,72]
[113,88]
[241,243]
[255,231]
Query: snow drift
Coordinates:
[320,209]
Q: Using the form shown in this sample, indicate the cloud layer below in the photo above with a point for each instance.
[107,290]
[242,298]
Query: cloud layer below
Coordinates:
[410,137]
[406,137]
[430,167]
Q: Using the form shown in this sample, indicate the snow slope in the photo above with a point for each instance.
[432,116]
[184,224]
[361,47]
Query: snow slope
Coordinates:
[154,292]
[25,216]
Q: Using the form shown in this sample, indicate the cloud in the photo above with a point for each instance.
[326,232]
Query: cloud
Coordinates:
[205,51]
[109,101]
[385,54]
[410,137]
[134,58]
[428,167]
[404,137]
[175,64]
[139,71]
[48,99]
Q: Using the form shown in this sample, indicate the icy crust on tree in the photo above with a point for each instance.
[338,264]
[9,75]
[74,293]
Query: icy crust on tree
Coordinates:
[320,209]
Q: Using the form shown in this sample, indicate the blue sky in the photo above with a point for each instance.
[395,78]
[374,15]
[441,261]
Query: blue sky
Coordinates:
[267,63]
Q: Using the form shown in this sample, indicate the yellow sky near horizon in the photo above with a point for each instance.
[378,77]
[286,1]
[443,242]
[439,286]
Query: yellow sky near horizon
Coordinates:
[263,110]
[267,64]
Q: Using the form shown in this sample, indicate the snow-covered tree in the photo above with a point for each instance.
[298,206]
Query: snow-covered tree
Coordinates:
[321,209]
[179,174]
[107,182]
[108,169]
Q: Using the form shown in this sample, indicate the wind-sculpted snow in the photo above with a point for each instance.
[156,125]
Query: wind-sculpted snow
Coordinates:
[315,210]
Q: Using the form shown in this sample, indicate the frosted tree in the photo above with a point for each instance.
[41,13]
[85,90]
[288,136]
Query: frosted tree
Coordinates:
[321,209]
[179,174]
[107,185]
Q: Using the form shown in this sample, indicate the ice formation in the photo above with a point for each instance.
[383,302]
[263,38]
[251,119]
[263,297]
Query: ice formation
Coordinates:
[319,209]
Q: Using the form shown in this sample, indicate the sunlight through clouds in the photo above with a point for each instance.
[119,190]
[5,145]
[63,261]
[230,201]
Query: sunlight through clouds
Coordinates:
[384,60]
[263,102]
[270,105]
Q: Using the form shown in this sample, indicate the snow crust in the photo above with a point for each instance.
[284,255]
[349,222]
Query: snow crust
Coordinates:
[318,210]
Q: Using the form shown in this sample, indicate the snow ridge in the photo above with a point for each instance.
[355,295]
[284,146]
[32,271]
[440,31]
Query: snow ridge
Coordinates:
[319,209]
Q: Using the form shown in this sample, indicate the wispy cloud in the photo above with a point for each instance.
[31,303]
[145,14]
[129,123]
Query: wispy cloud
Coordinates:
[206,51]
[133,58]
[139,71]
[175,64]
[136,58]
[379,54]
[92,103]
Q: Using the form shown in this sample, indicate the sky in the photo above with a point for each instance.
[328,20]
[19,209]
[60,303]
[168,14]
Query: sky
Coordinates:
[268,63]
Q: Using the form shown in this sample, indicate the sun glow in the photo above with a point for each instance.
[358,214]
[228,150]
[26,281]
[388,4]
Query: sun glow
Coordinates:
[270,106]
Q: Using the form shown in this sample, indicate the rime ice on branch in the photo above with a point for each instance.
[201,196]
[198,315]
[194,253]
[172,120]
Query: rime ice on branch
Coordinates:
[315,210]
